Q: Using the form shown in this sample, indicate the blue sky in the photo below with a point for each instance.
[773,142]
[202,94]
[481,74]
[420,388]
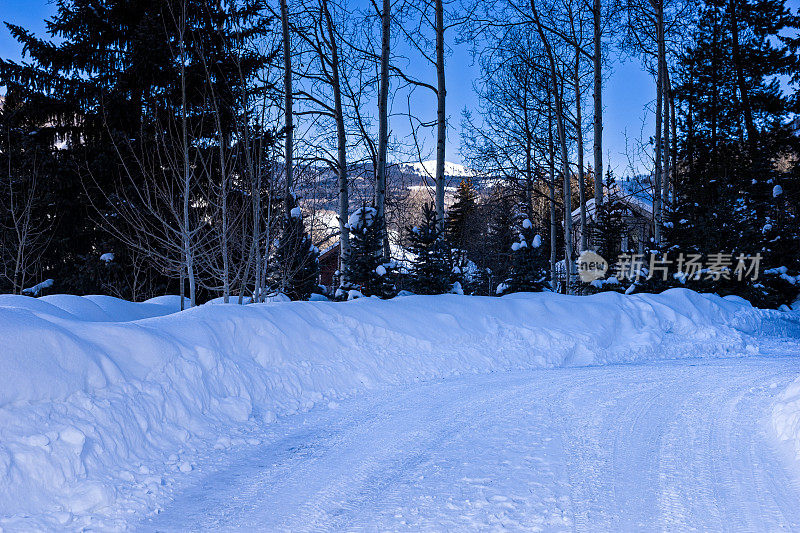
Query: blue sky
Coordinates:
[628,90]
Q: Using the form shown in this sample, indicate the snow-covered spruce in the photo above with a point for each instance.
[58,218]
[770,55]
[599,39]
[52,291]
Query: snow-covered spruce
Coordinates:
[430,270]
[366,272]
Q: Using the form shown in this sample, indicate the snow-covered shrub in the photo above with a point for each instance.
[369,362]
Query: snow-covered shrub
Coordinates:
[295,266]
[366,271]
[430,271]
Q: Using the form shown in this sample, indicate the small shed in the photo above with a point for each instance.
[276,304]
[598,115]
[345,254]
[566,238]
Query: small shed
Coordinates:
[328,265]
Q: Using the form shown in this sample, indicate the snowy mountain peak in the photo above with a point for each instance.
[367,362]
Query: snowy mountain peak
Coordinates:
[450,169]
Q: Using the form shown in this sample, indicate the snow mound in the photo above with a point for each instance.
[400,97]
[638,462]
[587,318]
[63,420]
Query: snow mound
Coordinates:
[786,413]
[98,419]
[786,416]
[94,308]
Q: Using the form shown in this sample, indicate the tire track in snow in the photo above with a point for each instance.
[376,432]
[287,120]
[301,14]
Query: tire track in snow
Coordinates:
[673,445]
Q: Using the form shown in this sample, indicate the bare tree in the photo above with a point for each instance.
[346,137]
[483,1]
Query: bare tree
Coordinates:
[341,134]
[25,235]
[597,62]
[441,117]
[555,80]
[383,120]
[288,101]
[577,22]
[420,19]
[654,29]
[180,21]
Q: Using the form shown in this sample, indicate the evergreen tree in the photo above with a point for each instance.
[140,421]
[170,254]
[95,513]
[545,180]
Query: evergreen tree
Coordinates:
[481,283]
[607,235]
[736,144]
[459,227]
[104,86]
[608,231]
[430,269]
[296,261]
[366,270]
[91,85]
[528,263]
[500,239]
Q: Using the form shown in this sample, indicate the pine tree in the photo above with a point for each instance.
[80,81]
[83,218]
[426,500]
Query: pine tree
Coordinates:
[500,239]
[104,85]
[608,231]
[366,271]
[91,86]
[737,135]
[296,261]
[528,263]
[459,224]
[430,270]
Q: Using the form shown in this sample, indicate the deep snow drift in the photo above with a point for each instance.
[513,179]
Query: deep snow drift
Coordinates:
[786,416]
[94,411]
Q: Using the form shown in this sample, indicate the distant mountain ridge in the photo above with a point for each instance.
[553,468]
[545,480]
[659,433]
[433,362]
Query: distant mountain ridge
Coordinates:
[428,168]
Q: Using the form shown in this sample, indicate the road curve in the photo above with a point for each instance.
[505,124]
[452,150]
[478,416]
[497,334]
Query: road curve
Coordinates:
[675,445]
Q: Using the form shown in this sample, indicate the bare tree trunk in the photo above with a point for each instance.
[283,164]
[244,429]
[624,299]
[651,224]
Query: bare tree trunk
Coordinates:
[740,81]
[528,158]
[256,236]
[440,114]
[674,122]
[528,177]
[267,241]
[551,184]
[182,283]
[665,179]
[251,253]
[562,141]
[252,153]
[226,283]
[659,7]
[187,173]
[383,125]
[567,195]
[598,106]
[18,284]
[288,102]
[579,149]
[341,140]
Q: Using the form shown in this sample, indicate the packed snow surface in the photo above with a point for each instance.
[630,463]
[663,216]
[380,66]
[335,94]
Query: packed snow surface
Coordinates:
[657,446]
[108,408]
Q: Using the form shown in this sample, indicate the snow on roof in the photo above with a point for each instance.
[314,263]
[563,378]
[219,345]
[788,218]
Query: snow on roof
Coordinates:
[637,193]
[330,249]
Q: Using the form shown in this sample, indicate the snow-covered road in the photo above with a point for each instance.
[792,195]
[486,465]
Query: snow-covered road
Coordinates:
[671,445]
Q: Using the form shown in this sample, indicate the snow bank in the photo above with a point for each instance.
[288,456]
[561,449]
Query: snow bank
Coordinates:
[786,416]
[98,417]
[94,308]
[786,412]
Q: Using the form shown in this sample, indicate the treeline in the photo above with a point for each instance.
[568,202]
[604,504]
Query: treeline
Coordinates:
[154,146]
